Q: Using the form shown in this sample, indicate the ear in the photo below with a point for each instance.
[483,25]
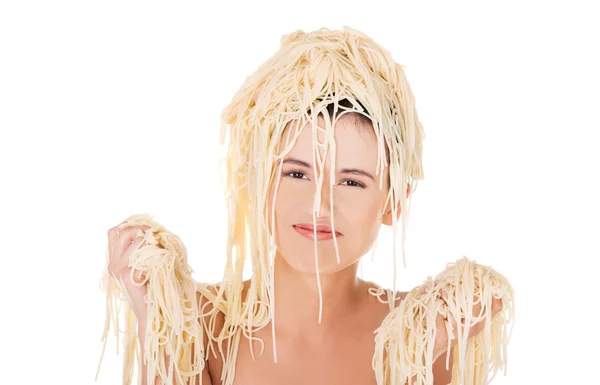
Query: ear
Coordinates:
[388,215]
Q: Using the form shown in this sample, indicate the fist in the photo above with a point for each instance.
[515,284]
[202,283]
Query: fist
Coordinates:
[442,337]
[122,243]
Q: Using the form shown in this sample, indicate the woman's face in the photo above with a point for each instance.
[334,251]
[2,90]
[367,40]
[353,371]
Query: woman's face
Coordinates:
[357,203]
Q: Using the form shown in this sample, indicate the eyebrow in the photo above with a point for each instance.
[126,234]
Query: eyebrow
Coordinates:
[297,162]
[355,171]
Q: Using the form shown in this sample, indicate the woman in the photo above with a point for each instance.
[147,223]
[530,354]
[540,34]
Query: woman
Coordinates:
[325,146]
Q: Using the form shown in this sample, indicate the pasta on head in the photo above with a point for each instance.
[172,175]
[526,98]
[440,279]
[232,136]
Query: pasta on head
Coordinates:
[299,82]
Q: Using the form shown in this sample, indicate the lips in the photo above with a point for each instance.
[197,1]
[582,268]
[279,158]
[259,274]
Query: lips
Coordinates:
[323,232]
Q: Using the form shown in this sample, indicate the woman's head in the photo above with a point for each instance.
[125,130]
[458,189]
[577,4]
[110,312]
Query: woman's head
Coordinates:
[353,195]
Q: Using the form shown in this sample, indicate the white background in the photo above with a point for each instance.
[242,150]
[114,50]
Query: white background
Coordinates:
[111,108]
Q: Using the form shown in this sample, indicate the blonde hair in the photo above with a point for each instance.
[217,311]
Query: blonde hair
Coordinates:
[309,73]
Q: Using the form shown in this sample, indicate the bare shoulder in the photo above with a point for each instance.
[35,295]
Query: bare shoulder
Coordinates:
[384,295]
[441,375]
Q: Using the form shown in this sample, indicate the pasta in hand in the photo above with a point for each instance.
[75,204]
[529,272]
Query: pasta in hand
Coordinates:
[172,327]
[408,340]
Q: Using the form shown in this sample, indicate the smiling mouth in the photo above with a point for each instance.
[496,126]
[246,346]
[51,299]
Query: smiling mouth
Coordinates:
[323,233]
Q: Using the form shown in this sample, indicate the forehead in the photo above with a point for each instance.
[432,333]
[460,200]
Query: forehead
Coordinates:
[353,138]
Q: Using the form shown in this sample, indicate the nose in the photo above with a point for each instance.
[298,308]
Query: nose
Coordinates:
[322,206]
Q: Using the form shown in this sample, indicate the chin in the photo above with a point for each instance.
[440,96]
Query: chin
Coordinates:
[305,262]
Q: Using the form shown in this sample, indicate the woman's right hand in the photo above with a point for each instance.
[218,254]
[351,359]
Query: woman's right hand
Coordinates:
[121,244]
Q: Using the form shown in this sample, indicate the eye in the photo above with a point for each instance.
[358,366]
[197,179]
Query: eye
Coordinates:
[295,174]
[353,183]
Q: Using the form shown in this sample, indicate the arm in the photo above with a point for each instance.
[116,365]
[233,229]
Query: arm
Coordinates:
[143,369]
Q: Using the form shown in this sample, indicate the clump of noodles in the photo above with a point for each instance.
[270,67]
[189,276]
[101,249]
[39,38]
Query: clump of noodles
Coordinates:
[404,343]
[309,72]
[172,326]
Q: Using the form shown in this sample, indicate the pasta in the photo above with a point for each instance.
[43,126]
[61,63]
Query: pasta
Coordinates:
[404,341]
[172,325]
[298,84]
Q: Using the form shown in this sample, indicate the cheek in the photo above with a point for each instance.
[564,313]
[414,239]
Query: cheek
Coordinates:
[364,215]
[292,197]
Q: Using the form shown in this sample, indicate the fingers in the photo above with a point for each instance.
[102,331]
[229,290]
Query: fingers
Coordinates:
[122,242]
[132,246]
[113,233]
[121,239]
[138,278]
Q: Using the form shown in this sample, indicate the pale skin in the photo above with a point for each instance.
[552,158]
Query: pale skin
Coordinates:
[340,349]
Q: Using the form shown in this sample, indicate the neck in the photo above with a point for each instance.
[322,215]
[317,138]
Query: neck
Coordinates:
[297,299]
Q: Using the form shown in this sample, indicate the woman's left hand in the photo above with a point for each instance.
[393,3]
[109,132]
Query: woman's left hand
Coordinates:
[441,338]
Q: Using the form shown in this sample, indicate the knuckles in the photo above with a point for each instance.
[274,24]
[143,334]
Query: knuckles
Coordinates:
[113,231]
[115,268]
